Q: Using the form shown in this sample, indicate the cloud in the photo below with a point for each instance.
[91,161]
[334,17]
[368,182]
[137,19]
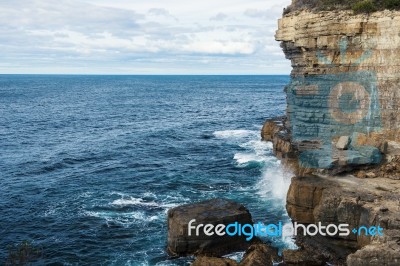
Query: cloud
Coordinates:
[221,48]
[219,17]
[135,37]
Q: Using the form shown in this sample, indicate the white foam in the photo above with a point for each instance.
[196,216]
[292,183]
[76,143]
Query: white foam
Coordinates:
[237,133]
[257,151]
[245,158]
[274,182]
[124,219]
[131,201]
[258,146]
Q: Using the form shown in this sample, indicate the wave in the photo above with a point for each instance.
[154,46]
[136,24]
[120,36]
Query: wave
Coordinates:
[258,153]
[248,160]
[273,183]
[236,133]
[131,201]
[124,219]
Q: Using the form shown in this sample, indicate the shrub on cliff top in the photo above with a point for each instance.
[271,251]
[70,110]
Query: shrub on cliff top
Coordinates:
[366,6]
[358,6]
[392,4]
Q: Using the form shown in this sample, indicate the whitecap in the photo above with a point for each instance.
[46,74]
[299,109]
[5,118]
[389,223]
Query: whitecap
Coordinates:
[237,133]
[258,146]
[132,201]
[124,219]
[245,158]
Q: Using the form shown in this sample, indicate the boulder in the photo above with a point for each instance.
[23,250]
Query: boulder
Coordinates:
[214,212]
[212,261]
[343,143]
[260,255]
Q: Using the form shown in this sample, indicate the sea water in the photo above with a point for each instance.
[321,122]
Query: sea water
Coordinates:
[90,165]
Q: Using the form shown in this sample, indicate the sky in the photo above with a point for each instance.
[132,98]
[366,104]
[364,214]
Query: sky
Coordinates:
[141,37]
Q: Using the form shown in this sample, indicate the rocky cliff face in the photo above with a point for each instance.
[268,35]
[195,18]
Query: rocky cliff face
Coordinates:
[345,80]
[343,116]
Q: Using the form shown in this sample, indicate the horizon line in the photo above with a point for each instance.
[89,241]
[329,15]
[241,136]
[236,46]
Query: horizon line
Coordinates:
[113,74]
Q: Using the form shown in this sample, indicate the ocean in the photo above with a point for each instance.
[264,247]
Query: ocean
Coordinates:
[90,165]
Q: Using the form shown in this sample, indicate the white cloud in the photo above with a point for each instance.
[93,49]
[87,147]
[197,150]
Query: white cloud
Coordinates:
[170,36]
[218,17]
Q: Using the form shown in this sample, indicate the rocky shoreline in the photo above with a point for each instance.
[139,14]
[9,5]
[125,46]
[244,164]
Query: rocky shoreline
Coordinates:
[314,196]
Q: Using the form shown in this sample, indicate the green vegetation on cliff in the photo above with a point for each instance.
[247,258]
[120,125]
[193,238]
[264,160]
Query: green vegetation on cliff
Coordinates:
[360,6]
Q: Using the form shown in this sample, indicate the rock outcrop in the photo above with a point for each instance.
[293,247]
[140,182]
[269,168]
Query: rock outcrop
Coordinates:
[353,201]
[214,212]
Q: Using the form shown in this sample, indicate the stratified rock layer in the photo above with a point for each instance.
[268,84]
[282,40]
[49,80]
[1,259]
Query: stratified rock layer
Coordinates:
[345,79]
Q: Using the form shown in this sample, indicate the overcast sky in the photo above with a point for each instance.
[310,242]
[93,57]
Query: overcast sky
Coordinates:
[141,37]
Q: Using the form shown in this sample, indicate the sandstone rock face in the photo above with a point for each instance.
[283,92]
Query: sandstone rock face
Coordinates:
[268,130]
[345,82]
[345,79]
[276,131]
[376,255]
[357,202]
[215,211]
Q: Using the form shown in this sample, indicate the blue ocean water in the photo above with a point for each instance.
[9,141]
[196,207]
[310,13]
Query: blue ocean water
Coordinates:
[89,165]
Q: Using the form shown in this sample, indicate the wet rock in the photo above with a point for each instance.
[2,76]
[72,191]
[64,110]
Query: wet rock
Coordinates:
[212,261]
[343,143]
[215,211]
[260,255]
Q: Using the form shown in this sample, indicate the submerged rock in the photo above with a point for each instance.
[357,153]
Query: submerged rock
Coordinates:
[181,242]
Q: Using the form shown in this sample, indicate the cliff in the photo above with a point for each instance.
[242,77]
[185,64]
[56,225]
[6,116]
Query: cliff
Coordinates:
[345,81]
[343,117]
